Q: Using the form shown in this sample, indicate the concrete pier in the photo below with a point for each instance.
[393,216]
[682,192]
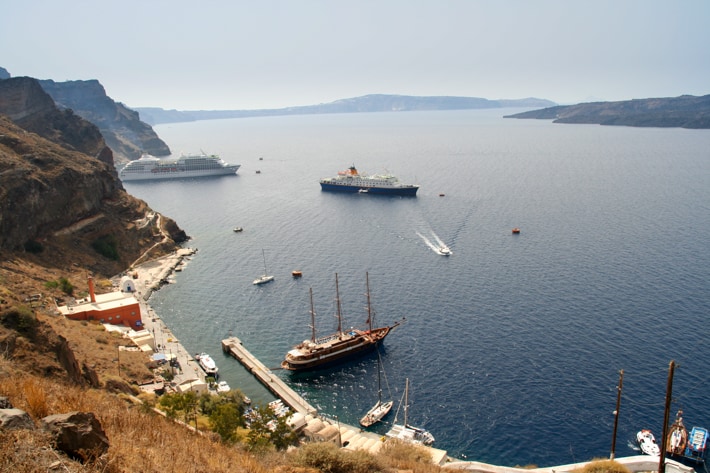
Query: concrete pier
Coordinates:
[234,347]
[318,427]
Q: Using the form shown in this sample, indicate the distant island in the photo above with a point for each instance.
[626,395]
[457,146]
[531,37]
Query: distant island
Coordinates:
[686,111]
[364,104]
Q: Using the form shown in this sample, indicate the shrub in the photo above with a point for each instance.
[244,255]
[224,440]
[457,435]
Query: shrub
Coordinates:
[603,466]
[20,318]
[328,458]
[33,246]
[66,287]
[106,246]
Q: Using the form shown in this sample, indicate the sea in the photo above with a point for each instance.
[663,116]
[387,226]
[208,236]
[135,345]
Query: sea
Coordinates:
[514,345]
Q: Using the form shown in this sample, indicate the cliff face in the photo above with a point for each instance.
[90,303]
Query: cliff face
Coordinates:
[59,189]
[120,126]
[25,103]
[683,112]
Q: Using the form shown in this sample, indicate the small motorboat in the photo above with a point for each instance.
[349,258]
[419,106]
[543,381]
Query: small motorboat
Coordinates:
[296,273]
[647,443]
[516,231]
[223,387]
[238,229]
[444,250]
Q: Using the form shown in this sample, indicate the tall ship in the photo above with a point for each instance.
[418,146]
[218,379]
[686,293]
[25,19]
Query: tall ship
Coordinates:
[351,180]
[193,165]
[320,352]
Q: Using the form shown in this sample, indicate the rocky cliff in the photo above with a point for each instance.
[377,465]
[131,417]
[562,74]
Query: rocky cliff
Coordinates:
[124,132]
[686,111]
[59,190]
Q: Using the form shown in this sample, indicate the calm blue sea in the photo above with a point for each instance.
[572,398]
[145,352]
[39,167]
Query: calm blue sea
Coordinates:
[512,345]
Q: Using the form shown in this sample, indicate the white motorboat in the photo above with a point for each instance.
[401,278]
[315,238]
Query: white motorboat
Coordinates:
[647,443]
[444,250]
[223,387]
[207,364]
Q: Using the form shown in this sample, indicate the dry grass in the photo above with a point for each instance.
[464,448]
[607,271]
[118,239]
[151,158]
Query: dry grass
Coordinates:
[604,466]
[139,441]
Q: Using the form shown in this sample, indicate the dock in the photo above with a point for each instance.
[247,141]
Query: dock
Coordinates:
[320,428]
[234,347]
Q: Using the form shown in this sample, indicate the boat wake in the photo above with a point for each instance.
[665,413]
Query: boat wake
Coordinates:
[435,243]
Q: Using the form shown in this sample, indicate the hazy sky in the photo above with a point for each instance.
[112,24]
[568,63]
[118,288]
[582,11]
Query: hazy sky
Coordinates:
[234,54]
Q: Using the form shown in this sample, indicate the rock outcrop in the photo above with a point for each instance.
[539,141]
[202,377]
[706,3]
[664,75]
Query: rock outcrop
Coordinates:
[78,434]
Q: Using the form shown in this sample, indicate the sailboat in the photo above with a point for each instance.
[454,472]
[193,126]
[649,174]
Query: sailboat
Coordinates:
[406,432]
[264,278]
[320,352]
[380,409]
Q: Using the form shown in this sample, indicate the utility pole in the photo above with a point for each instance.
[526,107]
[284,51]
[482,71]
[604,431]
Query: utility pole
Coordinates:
[666,415]
[616,412]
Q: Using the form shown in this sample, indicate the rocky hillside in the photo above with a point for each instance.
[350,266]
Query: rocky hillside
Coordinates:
[59,191]
[686,111]
[124,132]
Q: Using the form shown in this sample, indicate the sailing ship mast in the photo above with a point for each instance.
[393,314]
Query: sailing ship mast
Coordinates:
[313,317]
[406,401]
[369,305]
[338,308]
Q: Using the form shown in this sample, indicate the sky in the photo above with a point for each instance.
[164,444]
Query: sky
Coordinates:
[260,54]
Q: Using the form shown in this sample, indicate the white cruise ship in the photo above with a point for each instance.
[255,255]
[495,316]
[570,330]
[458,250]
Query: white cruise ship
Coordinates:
[194,165]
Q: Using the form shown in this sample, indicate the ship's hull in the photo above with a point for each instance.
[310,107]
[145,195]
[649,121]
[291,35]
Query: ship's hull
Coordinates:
[336,352]
[394,190]
[179,174]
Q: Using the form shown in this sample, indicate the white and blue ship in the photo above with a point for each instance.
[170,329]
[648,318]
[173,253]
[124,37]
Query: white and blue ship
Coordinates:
[351,180]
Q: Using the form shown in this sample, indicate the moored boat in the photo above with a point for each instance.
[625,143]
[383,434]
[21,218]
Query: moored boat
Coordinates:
[351,180]
[264,278]
[320,352]
[223,387]
[647,443]
[195,165]
[407,432]
[207,364]
[696,448]
[677,436]
[380,409]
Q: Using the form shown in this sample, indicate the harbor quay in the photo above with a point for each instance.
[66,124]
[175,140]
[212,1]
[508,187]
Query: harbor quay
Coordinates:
[150,276]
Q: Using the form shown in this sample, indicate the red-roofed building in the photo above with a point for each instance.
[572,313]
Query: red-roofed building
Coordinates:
[118,308]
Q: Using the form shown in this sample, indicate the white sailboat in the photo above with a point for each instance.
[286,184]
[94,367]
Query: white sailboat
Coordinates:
[380,409]
[264,278]
[406,432]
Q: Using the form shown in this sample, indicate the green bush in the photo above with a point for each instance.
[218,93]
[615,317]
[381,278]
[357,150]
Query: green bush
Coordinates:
[33,246]
[106,246]
[20,318]
[66,287]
